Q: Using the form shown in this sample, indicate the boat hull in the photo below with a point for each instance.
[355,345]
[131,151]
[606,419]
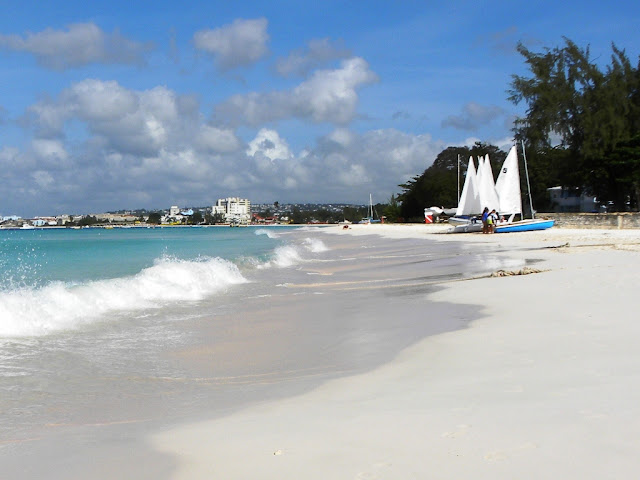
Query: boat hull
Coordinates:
[467,228]
[525,226]
[459,220]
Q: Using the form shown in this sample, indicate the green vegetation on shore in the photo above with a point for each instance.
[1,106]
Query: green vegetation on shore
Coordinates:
[581,131]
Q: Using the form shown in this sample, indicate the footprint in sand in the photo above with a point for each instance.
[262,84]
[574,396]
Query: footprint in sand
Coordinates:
[461,431]
[501,455]
[374,474]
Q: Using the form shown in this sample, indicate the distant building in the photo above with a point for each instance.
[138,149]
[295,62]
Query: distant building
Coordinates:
[174,210]
[234,209]
[565,199]
[63,219]
[115,217]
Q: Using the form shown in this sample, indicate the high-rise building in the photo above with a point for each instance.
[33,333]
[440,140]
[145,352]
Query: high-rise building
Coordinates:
[234,209]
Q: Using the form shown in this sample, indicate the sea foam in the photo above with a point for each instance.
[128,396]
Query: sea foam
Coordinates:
[60,306]
[266,231]
[290,255]
[315,245]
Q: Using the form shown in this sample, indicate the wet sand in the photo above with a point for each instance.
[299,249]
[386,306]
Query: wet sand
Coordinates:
[544,383]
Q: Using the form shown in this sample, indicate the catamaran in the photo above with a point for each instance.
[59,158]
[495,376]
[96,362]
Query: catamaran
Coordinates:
[370,218]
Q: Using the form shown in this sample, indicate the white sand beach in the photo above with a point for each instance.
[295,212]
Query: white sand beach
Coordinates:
[544,383]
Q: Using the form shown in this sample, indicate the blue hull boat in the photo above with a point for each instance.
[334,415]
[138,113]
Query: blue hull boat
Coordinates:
[524,226]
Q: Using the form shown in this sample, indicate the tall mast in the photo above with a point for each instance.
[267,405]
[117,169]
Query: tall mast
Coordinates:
[458,179]
[526,171]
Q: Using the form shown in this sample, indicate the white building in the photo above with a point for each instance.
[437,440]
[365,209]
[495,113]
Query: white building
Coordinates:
[174,210]
[565,199]
[234,209]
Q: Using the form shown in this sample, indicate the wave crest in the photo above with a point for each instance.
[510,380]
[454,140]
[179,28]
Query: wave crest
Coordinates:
[290,255]
[62,306]
[265,231]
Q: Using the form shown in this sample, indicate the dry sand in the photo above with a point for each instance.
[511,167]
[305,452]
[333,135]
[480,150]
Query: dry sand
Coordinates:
[546,384]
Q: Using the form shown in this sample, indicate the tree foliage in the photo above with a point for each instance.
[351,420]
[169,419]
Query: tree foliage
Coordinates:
[155,218]
[581,121]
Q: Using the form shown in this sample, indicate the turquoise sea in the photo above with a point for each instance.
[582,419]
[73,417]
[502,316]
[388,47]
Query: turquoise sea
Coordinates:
[86,313]
[61,279]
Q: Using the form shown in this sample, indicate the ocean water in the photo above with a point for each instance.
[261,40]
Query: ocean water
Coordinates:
[83,312]
[57,280]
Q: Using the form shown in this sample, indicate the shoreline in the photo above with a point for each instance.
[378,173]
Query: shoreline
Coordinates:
[523,392]
[393,354]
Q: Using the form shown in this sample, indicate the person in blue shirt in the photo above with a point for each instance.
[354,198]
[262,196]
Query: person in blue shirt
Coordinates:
[485,220]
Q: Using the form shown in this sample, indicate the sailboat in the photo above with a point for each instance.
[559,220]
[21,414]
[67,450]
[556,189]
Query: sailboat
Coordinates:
[369,218]
[478,192]
[510,195]
[504,196]
[469,202]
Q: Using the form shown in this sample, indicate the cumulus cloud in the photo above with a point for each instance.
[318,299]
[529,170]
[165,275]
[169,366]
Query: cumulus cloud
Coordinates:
[151,148]
[344,166]
[269,144]
[239,44]
[80,44]
[137,122]
[327,96]
[317,53]
[473,117]
[220,140]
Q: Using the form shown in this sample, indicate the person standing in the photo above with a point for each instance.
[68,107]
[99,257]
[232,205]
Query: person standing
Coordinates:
[485,220]
[492,220]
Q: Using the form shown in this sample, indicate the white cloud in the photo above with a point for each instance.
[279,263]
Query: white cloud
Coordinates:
[241,43]
[53,151]
[43,179]
[341,136]
[139,122]
[327,96]
[217,139]
[80,44]
[10,161]
[473,117]
[269,144]
[153,146]
[317,53]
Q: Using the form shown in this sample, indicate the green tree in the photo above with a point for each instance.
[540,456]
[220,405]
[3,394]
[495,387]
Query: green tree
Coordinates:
[579,116]
[352,214]
[154,218]
[392,210]
[196,218]
[87,220]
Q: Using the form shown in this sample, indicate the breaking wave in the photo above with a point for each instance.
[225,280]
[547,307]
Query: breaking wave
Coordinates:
[266,231]
[36,311]
[290,255]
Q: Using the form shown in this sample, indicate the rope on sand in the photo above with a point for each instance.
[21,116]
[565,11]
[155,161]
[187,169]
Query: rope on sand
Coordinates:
[509,273]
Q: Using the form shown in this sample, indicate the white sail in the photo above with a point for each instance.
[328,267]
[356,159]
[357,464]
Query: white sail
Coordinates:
[469,199]
[479,171]
[508,185]
[486,186]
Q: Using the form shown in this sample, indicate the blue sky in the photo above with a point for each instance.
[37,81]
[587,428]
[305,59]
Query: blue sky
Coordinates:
[113,105]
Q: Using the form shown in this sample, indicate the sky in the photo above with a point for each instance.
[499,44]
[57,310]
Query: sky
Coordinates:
[109,105]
